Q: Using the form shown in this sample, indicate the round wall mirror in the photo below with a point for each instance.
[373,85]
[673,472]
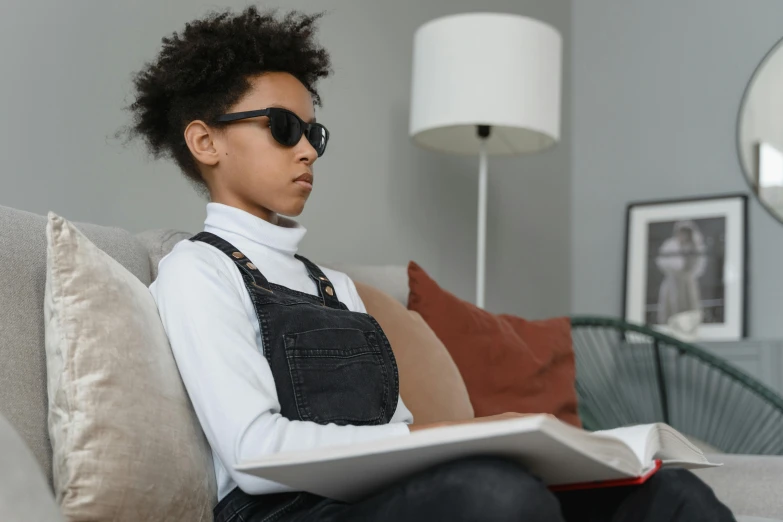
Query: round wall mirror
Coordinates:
[760,131]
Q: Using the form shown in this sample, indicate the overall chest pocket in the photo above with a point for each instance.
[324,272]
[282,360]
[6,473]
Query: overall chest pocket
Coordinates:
[338,376]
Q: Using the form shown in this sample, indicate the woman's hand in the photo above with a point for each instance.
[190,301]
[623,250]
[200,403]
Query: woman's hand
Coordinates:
[502,416]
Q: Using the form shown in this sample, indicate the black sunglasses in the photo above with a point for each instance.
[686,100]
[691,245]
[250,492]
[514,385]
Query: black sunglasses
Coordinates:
[287,128]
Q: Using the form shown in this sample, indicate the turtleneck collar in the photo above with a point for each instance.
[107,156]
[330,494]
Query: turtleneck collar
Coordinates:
[285,236]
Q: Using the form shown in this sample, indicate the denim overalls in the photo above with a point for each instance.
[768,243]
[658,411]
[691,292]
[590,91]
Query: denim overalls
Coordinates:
[329,365]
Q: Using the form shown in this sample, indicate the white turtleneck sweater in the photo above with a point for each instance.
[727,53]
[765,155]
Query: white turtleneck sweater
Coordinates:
[216,340]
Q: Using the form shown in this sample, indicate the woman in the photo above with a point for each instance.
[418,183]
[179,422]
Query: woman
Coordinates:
[261,334]
[682,261]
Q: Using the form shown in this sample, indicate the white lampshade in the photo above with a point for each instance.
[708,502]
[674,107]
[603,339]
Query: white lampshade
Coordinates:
[491,69]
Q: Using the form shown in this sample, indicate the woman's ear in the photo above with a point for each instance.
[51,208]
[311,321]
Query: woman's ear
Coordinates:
[201,142]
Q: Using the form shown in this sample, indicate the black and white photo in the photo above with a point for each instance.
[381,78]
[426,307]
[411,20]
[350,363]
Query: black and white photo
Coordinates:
[685,267]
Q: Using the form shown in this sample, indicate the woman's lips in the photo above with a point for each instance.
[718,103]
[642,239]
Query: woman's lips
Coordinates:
[305,180]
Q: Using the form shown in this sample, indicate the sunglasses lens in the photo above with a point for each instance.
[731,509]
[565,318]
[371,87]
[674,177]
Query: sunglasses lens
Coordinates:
[318,137]
[285,128]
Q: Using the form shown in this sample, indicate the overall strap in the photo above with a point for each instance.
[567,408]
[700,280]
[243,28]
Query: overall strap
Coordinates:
[325,288]
[246,268]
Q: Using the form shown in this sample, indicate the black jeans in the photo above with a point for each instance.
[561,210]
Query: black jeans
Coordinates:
[491,489]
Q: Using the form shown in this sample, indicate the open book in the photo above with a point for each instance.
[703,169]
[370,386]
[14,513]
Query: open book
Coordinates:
[558,453]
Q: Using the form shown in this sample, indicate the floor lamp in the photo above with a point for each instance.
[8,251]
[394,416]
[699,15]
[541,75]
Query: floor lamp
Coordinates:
[486,84]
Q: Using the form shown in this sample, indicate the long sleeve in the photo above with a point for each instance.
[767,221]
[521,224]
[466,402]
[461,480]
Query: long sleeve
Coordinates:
[227,378]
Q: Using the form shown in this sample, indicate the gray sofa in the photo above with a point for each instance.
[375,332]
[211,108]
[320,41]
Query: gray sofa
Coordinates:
[751,485]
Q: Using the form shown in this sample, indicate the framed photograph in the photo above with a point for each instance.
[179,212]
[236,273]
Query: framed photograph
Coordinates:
[686,270]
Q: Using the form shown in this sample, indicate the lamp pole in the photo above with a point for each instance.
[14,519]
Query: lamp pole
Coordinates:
[483,133]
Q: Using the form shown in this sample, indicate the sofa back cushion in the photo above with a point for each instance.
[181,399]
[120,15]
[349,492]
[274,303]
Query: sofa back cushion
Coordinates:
[392,280]
[23,400]
[158,243]
[24,492]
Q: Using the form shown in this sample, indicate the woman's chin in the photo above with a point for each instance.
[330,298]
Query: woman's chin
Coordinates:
[292,210]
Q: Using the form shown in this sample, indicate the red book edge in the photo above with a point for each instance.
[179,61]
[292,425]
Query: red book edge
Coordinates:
[634,481]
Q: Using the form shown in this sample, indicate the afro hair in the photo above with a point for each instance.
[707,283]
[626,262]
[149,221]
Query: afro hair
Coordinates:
[205,70]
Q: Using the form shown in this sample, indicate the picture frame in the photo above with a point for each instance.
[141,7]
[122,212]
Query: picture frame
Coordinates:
[686,267]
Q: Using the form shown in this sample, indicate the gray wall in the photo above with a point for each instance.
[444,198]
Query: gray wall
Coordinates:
[656,90]
[66,70]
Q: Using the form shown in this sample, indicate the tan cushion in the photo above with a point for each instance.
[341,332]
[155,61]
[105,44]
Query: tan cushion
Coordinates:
[430,383]
[22,354]
[126,442]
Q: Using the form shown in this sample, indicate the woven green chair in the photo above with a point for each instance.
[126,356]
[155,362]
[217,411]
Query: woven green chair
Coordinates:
[631,374]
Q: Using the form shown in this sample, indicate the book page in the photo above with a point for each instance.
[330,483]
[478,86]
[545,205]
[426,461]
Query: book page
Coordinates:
[676,449]
[642,439]
[659,441]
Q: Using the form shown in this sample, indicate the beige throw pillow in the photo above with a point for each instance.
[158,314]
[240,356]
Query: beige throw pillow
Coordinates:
[126,443]
[430,383]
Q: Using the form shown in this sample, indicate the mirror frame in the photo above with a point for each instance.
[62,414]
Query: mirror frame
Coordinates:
[778,45]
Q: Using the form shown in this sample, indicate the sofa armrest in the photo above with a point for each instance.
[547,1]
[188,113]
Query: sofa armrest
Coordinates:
[24,491]
[747,484]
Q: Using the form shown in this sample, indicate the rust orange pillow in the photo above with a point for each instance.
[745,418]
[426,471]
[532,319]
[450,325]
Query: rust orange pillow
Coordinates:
[508,363]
